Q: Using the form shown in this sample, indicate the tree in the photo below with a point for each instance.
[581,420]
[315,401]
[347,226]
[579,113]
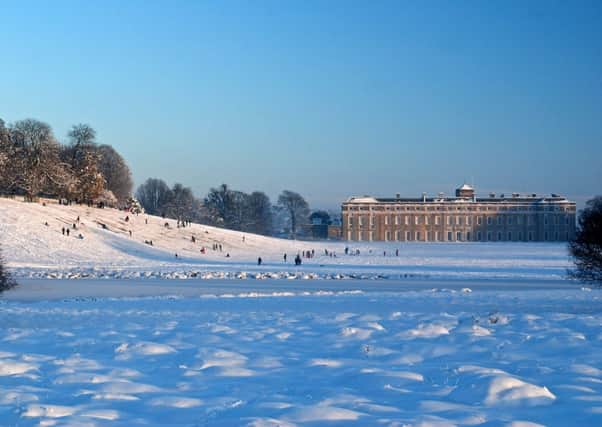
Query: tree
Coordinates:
[37,164]
[6,281]
[183,205]
[259,213]
[296,208]
[84,158]
[116,173]
[586,247]
[220,204]
[155,196]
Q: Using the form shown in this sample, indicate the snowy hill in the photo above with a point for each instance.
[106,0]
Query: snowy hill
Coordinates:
[33,245]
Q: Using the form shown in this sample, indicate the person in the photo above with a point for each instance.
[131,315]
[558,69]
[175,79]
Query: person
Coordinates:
[284,257]
[396,252]
[67,231]
[259,261]
[176,254]
[77,220]
[346,250]
[203,250]
[243,238]
[297,260]
[146,221]
[193,239]
[46,223]
[80,236]
[74,226]
[63,231]
[127,218]
[130,233]
[228,255]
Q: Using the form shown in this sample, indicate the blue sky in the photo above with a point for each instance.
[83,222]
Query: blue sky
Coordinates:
[326,98]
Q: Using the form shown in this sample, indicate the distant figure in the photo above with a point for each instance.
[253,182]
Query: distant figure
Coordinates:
[346,250]
[127,218]
[166,225]
[146,220]
[63,231]
[46,223]
[80,236]
[384,253]
[284,257]
[228,255]
[243,238]
[396,252]
[193,239]
[77,220]
[203,250]
[130,233]
[67,231]
[259,261]
[297,260]
[74,226]
[176,254]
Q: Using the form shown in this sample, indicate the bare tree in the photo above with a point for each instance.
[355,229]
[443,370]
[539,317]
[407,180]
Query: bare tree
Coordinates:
[37,155]
[154,196]
[586,248]
[259,213]
[183,205]
[220,204]
[296,208]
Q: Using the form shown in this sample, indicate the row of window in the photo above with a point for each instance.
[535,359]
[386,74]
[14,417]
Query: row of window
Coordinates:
[465,208]
[458,236]
[462,220]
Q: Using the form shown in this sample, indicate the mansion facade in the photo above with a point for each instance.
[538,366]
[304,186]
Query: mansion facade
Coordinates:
[527,218]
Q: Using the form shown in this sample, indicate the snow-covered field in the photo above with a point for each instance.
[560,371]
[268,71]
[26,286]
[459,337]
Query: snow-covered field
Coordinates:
[34,249]
[441,335]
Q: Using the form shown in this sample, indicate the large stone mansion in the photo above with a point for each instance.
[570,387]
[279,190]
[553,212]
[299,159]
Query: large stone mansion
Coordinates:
[503,218]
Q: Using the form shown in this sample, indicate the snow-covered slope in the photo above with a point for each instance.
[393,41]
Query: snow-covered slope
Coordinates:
[35,249]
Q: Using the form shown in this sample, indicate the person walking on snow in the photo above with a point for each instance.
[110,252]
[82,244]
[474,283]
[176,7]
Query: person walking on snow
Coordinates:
[259,261]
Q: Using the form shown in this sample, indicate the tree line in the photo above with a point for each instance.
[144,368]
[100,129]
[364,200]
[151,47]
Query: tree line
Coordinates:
[225,207]
[34,163]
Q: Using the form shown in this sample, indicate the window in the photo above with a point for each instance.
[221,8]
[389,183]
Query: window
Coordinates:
[348,235]
[519,220]
[510,236]
[437,220]
[459,236]
[386,219]
[429,236]
[408,236]
[566,220]
[426,220]
[520,235]
[545,220]
[468,236]
[449,236]
[489,236]
[398,235]
[458,220]
[479,221]
[500,220]
[489,220]
[388,236]
[406,220]
[416,220]
[499,236]
[360,220]
[509,219]
[478,235]
[545,236]
[396,219]
[417,235]
[468,220]
[449,220]
[436,236]
[530,235]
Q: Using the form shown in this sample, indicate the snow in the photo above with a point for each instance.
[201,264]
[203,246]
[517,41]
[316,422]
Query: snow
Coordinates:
[443,335]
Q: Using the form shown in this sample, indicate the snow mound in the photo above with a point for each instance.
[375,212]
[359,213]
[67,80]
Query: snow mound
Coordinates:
[509,390]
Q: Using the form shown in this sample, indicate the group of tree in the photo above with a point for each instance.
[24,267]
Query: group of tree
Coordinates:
[225,207]
[33,163]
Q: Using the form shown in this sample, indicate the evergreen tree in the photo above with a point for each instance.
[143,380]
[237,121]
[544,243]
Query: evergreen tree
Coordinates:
[586,248]
[6,281]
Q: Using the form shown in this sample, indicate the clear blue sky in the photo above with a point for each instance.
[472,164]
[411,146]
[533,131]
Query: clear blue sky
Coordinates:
[326,98]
